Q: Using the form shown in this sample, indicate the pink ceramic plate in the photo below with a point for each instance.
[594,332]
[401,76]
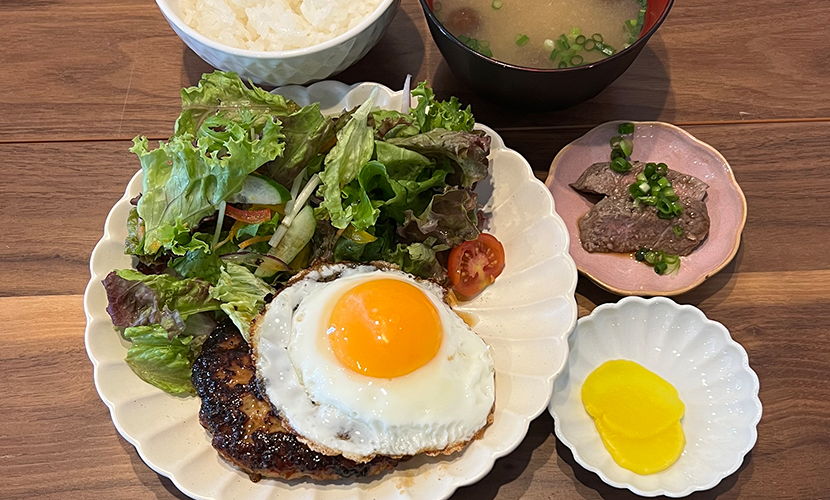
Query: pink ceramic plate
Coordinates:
[657,142]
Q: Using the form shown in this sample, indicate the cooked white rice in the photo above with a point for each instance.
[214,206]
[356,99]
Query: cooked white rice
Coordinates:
[274,24]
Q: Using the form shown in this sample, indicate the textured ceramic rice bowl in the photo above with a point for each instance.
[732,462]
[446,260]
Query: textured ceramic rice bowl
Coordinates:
[693,353]
[297,66]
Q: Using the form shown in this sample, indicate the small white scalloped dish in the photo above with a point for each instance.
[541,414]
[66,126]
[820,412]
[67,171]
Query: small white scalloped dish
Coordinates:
[525,316]
[693,353]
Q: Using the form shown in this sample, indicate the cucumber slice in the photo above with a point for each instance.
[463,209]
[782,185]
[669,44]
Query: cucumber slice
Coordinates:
[259,190]
[300,233]
[296,237]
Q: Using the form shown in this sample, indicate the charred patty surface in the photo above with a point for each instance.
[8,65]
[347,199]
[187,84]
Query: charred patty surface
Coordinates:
[245,430]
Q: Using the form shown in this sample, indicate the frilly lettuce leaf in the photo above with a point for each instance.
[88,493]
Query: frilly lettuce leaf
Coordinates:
[184,182]
[418,259]
[468,150]
[401,163]
[134,243]
[390,123]
[451,219]
[199,263]
[306,132]
[354,148]
[223,93]
[431,114]
[242,295]
[225,132]
[137,299]
[161,361]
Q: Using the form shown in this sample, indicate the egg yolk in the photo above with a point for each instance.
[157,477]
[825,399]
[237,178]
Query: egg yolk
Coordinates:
[384,328]
[637,415]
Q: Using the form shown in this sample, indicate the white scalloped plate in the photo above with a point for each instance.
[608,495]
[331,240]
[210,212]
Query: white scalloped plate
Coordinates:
[698,357]
[525,316]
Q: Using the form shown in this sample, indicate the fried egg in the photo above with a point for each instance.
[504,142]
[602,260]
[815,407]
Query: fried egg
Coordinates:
[367,360]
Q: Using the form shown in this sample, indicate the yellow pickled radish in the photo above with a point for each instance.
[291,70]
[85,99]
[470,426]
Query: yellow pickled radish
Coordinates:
[637,414]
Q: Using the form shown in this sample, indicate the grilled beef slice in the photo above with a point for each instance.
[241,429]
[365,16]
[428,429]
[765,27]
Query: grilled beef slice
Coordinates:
[614,224]
[600,179]
[245,430]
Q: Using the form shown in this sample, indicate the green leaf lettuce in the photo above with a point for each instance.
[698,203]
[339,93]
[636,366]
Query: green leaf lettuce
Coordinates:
[242,295]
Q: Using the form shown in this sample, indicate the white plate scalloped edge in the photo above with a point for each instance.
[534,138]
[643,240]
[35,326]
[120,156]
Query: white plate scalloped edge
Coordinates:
[679,343]
[526,316]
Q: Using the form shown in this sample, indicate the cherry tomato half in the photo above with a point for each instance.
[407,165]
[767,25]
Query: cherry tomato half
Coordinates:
[474,265]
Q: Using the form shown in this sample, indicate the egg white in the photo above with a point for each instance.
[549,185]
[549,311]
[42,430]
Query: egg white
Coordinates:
[335,410]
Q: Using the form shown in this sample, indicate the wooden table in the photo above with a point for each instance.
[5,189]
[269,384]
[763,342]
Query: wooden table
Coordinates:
[80,78]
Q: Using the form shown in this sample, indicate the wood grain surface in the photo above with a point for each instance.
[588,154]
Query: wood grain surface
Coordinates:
[82,77]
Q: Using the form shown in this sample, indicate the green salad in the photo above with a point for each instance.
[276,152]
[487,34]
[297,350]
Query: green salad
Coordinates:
[252,188]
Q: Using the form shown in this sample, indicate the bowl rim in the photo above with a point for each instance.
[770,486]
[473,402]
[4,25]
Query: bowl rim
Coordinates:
[174,18]
[433,20]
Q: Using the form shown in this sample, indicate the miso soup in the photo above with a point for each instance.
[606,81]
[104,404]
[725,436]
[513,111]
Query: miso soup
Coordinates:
[544,33]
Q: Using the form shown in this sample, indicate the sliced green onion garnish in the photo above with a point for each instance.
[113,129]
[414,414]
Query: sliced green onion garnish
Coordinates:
[678,230]
[649,170]
[580,39]
[627,146]
[597,37]
[620,165]
[605,49]
[496,4]
[576,61]
[486,52]
[554,54]
[645,188]
[615,141]
[563,64]
[589,45]
[661,261]
[522,39]
[626,128]
[617,153]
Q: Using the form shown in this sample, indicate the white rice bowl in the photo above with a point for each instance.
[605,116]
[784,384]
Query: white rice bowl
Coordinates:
[274,25]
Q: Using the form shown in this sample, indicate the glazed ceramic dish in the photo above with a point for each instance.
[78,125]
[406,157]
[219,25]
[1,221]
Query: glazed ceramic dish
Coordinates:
[298,66]
[655,142]
[525,317]
[555,88]
[698,357]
